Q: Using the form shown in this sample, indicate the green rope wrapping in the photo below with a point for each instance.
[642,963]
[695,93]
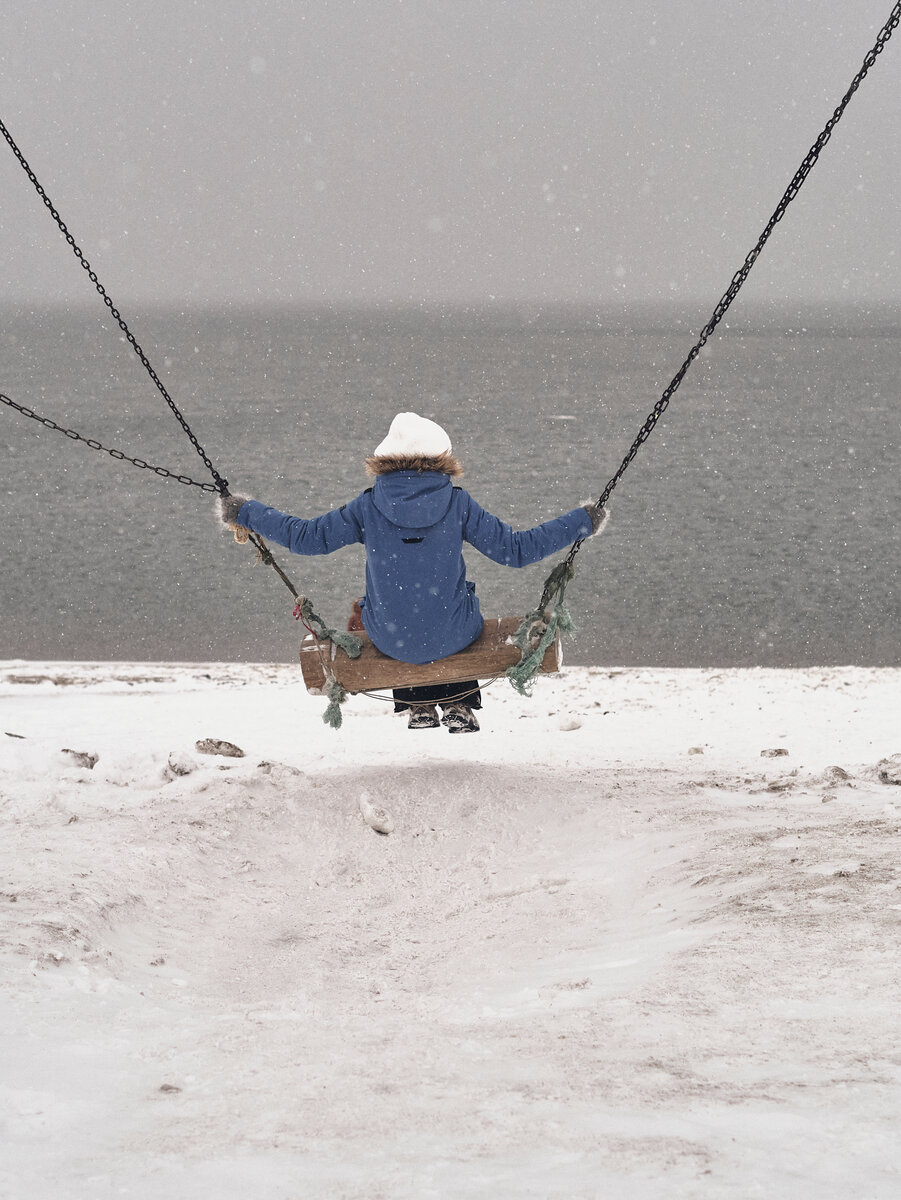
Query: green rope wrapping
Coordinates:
[348,642]
[336,697]
[558,619]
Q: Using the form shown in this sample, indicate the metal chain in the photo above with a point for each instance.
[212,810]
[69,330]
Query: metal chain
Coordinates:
[221,484]
[742,274]
[117,454]
[263,552]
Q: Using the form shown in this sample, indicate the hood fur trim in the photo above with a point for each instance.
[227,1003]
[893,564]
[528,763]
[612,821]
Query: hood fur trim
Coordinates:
[385,464]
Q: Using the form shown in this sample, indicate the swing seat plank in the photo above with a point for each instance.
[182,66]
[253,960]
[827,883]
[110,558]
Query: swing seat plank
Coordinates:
[488,656]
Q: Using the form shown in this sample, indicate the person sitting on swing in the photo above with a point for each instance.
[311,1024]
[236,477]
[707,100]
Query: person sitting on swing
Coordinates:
[418,605]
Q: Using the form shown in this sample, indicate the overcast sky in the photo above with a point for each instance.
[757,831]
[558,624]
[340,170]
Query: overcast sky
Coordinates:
[447,150]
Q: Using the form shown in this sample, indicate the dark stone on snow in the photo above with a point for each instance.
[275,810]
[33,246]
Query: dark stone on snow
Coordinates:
[217,746]
[81,758]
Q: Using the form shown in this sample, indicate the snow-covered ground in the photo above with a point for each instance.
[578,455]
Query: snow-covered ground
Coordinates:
[613,947]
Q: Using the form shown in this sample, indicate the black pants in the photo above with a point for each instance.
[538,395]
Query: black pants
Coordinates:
[439,693]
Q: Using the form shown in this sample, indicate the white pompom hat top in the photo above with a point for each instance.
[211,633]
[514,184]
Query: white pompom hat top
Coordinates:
[412,436]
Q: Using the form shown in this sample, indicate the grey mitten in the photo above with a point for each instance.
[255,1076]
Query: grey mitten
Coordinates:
[598,517]
[228,508]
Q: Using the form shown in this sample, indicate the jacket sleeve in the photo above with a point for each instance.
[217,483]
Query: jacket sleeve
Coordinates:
[500,542]
[318,535]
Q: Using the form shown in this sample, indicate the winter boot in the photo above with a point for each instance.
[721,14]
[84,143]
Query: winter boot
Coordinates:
[423,716]
[459,718]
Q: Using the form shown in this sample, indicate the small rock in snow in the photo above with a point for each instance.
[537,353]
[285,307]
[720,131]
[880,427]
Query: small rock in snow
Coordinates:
[169,1087]
[890,769]
[779,752]
[837,776]
[218,746]
[568,724]
[695,749]
[180,763]
[376,818]
[279,769]
[81,758]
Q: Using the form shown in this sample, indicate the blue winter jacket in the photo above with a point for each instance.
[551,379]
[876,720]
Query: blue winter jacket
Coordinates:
[419,606]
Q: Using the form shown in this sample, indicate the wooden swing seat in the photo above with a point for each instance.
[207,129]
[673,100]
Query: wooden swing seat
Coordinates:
[488,656]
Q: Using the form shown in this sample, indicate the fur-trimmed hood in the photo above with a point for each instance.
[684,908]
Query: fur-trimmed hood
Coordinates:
[384,464]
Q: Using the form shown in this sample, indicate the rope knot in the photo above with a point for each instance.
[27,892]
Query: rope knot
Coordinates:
[540,627]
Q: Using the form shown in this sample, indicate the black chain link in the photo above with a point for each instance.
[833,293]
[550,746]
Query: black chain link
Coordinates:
[263,552]
[742,274]
[94,445]
[221,484]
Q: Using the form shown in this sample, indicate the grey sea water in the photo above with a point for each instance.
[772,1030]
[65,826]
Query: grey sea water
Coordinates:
[759,525]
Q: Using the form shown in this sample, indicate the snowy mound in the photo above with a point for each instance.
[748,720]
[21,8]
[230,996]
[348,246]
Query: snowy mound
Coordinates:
[635,938]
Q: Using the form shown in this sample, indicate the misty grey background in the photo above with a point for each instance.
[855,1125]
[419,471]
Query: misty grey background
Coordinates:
[344,152]
[273,193]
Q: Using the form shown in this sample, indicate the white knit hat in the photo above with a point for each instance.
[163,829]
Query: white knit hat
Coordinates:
[412,436]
